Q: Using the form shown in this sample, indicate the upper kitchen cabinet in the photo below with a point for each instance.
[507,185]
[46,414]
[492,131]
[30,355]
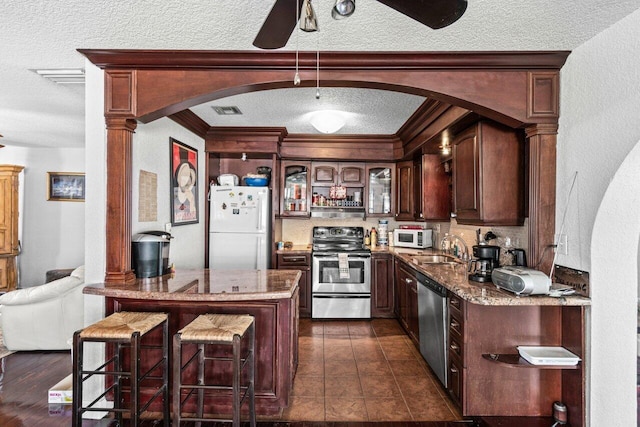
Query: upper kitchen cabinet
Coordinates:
[333,173]
[405,190]
[295,184]
[433,195]
[423,192]
[488,175]
[338,189]
[379,189]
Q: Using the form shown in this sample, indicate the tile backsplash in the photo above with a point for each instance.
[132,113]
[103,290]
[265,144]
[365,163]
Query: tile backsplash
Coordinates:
[298,231]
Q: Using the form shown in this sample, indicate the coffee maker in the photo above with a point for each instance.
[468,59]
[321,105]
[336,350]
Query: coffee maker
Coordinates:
[485,259]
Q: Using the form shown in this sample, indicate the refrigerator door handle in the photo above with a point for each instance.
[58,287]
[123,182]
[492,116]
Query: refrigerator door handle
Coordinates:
[260,219]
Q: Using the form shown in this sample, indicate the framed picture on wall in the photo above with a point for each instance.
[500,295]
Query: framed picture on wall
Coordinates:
[65,186]
[184,183]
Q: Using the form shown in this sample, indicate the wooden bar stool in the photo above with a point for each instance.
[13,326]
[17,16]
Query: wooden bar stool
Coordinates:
[215,329]
[123,330]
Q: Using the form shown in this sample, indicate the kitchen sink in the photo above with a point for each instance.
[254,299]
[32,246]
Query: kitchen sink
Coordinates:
[434,259]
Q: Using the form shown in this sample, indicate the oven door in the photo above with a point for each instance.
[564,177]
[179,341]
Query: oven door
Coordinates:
[327,277]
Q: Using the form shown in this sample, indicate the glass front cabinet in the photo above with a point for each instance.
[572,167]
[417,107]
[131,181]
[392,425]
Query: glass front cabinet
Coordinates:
[380,198]
[295,187]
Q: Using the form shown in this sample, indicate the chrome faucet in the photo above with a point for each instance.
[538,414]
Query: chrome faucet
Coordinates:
[451,238]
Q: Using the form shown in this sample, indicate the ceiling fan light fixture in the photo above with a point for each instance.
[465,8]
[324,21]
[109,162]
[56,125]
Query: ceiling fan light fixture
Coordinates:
[328,121]
[343,9]
[309,21]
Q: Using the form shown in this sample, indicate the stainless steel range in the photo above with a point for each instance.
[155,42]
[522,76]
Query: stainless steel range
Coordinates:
[341,274]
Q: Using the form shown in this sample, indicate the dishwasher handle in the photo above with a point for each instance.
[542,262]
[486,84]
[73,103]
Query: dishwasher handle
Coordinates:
[431,284]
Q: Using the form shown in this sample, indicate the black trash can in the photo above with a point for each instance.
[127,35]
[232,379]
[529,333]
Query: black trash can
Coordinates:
[150,253]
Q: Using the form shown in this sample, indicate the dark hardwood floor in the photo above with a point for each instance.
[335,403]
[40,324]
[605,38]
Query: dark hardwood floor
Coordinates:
[25,378]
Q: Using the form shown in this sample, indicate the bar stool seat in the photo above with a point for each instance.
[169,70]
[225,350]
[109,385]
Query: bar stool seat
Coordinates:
[209,330]
[124,330]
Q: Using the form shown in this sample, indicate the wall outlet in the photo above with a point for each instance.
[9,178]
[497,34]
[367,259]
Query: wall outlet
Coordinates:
[562,246]
[167,227]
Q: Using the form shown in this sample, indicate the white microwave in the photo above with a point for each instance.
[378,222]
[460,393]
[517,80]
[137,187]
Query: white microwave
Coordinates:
[412,238]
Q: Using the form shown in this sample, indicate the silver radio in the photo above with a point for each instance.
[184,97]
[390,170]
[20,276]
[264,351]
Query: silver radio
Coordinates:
[521,280]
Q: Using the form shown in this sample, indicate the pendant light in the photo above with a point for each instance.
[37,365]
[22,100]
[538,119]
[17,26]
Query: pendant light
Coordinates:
[309,22]
[296,76]
[343,9]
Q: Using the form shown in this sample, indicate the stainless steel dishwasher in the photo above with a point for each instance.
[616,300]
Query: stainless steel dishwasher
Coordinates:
[433,318]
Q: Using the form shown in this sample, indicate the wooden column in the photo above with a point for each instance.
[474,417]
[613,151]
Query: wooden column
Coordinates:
[541,146]
[118,228]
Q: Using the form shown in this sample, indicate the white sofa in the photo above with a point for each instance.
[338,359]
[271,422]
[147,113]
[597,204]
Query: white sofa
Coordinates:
[43,317]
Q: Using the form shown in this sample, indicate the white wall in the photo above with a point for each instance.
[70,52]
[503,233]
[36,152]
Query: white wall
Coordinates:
[51,233]
[599,126]
[151,154]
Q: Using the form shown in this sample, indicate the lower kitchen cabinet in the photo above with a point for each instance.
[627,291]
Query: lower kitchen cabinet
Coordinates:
[382,304]
[483,385]
[302,262]
[407,301]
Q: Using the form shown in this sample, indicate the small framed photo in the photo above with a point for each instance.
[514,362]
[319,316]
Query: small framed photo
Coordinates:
[184,183]
[65,186]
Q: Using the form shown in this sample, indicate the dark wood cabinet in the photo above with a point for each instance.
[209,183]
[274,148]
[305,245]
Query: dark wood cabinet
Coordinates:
[337,173]
[302,262]
[433,202]
[482,386]
[382,303]
[379,192]
[405,191]
[423,190]
[455,383]
[407,296]
[488,175]
[295,188]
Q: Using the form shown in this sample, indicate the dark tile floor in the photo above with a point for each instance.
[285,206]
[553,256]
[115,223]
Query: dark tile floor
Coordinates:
[363,371]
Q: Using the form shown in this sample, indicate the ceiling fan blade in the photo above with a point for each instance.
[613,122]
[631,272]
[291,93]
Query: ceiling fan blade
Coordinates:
[279,25]
[432,13]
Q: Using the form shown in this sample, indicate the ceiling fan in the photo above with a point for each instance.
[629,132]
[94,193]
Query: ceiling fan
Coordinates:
[281,21]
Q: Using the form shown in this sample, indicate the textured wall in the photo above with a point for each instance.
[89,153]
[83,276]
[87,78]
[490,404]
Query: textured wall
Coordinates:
[599,127]
[51,232]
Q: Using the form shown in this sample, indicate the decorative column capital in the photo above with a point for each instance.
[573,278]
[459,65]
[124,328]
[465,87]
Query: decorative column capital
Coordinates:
[541,129]
[121,123]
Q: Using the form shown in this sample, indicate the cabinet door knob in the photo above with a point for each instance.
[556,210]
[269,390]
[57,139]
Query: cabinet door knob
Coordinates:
[454,215]
[408,280]
[453,370]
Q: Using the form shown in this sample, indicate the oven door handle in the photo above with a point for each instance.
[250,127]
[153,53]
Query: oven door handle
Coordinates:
[333,257]
[342,296]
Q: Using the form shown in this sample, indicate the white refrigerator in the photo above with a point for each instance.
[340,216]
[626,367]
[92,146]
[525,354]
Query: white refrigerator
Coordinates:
[239,228]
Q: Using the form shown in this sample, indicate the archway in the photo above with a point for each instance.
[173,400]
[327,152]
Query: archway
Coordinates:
[614,278]
[520,89]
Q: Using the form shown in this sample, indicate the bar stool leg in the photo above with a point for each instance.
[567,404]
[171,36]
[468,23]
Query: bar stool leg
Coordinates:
[77,381]
[252,372]
[117,392]
[236,380]
[177,379]
[200,412]
[165,374]
[135,374]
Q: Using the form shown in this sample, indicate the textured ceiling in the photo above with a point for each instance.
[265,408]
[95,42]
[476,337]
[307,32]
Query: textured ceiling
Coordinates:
[46,34]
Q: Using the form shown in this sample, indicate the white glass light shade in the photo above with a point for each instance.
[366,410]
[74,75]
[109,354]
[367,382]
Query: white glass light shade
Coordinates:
[327,121]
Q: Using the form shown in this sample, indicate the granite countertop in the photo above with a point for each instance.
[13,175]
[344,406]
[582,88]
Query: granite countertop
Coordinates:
[305,249]
[455,280]
[206,285]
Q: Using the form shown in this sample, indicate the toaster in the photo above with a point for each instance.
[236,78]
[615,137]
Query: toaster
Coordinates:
[521,280]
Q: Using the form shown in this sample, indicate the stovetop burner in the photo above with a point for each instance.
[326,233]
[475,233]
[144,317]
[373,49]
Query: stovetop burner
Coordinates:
[338,239]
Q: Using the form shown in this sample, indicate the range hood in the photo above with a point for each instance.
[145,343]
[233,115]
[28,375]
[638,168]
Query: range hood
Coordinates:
[337,212]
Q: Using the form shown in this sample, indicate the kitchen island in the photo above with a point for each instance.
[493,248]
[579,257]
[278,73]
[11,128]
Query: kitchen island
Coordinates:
[271,296]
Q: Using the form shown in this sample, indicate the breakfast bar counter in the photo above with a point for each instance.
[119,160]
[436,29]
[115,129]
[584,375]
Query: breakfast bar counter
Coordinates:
[271,296]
